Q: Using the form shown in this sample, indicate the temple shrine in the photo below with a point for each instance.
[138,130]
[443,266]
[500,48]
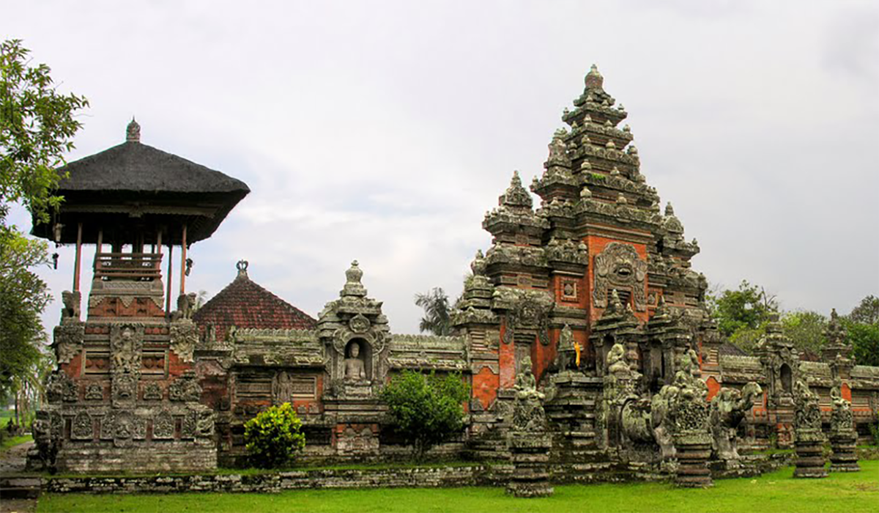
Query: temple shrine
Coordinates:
[582,332]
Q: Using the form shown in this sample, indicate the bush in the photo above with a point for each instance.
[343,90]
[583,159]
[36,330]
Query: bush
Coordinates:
[426,409]
[274,437]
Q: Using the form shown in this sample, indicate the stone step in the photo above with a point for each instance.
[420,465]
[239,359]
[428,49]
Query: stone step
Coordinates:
[19,487]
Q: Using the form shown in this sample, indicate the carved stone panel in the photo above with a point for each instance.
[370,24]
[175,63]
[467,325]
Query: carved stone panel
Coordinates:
[82,427]
[94,392]
[163,426]
[68,341]
[185,388]
[620,267]
[124,388]
[184,337]
[152,392]
[126,343]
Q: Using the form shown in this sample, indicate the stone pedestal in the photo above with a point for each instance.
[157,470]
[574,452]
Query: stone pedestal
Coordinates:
[844,457]
[693,452]
[810,459]
[529,453]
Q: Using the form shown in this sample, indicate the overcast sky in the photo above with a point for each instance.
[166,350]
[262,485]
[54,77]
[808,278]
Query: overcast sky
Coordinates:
[382,131]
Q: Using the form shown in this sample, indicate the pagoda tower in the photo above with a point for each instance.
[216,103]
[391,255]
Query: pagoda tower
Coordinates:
[598,242]
[124,394]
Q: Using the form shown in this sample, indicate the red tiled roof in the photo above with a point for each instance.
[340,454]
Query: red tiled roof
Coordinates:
[245,304]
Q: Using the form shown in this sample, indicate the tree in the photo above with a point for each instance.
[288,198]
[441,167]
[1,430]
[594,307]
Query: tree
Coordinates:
[274,437]
[436,312]
[427,409]
[748,307]
[806,329]
[867,311]
[37,124]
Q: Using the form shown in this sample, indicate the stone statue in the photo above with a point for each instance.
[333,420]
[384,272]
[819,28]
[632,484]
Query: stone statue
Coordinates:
[662,427]
[616,361]
[124,353]
[185,307]
[71,309]
[841,420]
[355,370]
[728,409]
[282,388]
[528,413]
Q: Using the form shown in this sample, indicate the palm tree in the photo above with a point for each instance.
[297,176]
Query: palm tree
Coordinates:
[436,312]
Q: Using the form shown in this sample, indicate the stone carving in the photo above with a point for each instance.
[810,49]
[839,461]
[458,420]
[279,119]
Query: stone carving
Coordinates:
[728,410]
[68,341]
[809,438]
[529,442]
[354,367]
[82,427]
[184,337]
[71,309]
[204,424]
[185,388]
[46,443]
[616,362]
[61,388]
[359,324]
[188,426]
[843,437]
[124,388]
[126,342]
[94,392]
[163,426]
[529,312]
[663,431]
[619,266]
[185,307]
[528,413]
[568,351]
[152,392]
[688,414]
[282,388]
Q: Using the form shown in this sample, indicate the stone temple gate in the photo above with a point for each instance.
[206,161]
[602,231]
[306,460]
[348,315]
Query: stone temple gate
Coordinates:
[593,289]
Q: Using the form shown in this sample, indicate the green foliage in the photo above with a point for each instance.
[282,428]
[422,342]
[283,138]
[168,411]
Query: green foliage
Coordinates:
[864,339]
[436,312]
[749,307]
[427,409]
[806,329]
[37,125]
[274,437]
[867,311]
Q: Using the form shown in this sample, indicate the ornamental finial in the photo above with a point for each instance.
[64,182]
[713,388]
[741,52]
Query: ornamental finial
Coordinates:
[132,132]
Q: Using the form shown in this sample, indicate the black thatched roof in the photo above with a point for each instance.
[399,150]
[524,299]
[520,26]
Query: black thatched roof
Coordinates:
[133,191]
[136,167]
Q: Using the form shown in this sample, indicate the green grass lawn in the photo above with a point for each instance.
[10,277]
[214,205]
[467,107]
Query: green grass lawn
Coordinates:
[775,492]
[11,442]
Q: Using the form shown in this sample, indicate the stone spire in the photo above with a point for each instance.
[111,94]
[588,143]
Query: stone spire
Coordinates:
[132,132]
[353,287]
[593,79]
[515,196]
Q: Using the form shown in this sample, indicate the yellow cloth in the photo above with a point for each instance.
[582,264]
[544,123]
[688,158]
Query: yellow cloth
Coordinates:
[577,350]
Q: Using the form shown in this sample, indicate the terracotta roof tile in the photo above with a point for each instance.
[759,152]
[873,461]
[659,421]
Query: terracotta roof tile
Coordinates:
[245,304]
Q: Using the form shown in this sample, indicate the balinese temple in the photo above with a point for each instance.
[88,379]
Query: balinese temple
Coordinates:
[593,284]
[125,393]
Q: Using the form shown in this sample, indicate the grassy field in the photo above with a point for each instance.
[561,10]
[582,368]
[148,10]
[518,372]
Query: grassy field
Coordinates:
[8,443]
[775,492]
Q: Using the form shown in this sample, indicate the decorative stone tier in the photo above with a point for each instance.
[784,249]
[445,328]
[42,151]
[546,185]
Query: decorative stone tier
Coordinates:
[844,457]
[571,412]
[810,458]
[693,453]
[529,453]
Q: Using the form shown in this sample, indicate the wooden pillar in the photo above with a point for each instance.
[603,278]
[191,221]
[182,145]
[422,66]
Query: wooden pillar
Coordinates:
[183,263]
[170,268]
[99,247]
[76,264]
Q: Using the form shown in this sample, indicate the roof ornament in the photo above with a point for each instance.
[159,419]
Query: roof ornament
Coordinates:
[594,80]
[242,268]
[353,286]
[515,195]
[132,132]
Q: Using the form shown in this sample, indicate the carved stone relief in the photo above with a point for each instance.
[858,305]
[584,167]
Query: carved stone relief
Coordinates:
[185,388]
[82,427]
[619,267]
[126,343]
[163,426]
[152,392]
[94,392]
[184,337]
[68,341]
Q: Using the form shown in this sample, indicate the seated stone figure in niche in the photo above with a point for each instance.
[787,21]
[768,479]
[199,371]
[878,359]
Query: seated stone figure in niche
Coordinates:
[355,370]
[616,361]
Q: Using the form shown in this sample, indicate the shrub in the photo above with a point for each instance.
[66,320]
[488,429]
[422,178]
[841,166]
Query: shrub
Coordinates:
[274,437]
[426,409]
